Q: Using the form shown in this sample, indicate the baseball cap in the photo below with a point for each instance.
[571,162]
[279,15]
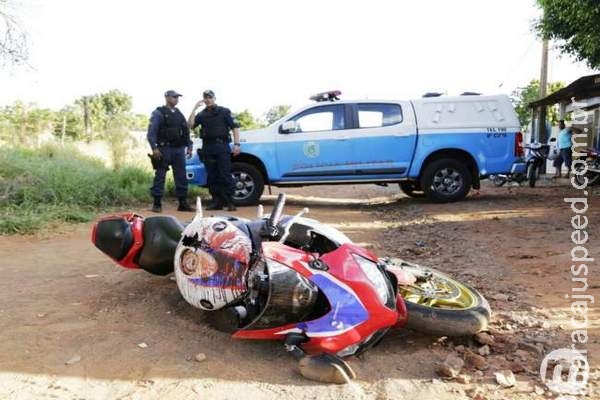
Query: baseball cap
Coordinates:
[208,93]
[172,93]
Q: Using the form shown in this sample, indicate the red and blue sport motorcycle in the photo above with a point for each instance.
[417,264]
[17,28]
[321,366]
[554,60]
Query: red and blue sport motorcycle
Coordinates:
[293,279]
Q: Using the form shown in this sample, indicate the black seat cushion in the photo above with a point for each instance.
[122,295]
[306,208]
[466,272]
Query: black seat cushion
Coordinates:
[161,236]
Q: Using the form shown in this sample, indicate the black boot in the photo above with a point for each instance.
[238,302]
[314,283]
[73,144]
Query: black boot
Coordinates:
[157,206]
[183,205]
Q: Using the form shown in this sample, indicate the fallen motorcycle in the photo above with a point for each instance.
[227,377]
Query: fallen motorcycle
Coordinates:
[293,279]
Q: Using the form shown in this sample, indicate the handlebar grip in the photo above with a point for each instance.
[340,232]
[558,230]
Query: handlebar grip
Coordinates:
[277,210]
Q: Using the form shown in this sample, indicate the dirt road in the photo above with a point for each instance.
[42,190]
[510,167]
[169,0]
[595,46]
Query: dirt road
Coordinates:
[71,322]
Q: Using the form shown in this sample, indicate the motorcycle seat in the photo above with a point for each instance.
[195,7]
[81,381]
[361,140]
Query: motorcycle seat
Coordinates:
[161,236]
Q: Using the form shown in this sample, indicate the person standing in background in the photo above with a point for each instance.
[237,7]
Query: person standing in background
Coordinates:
[215,123]
[169,138]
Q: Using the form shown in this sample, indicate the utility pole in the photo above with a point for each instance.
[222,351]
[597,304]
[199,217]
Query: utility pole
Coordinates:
[542,135]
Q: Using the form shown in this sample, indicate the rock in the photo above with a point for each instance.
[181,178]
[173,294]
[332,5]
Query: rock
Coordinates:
[465,379]
[500,297]
[200,357]
[188,357]
[516,367]
[484,350]
[484,338]
[74,360]
[451,366]
[476,394]
[505,378]
[460,348]
[142,345]
[539,390]
[475,360]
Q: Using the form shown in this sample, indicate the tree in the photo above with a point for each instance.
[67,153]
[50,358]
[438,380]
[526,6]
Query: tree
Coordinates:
[276,112]
[247,120]
[23,123]
[521,97]
[69,118]
[574,24]
[13,39]
[102,108]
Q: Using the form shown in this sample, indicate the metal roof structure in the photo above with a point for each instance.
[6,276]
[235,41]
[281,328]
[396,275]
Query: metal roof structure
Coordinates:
[585,87]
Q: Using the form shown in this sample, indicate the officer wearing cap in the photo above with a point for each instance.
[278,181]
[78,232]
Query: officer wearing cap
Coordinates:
[169,138]
[215,123]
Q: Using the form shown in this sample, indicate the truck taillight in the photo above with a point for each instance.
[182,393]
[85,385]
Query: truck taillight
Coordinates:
[519,152]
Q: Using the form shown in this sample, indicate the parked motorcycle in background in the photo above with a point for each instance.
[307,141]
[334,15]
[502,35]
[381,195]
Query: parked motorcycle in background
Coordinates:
[530,169]
[592,161]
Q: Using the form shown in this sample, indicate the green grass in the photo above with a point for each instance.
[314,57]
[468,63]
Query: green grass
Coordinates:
[55,185]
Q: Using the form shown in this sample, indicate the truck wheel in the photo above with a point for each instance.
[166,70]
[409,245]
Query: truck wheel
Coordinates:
[411,189]
[249,184]
[446,180]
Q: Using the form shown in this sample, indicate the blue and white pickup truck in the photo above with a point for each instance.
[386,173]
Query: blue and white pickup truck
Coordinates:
[438,147]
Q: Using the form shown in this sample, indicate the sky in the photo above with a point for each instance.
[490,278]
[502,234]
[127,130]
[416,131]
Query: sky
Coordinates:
[256,54]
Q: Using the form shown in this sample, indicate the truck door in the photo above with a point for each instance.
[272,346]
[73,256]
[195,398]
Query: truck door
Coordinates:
[318,148]
[383,138]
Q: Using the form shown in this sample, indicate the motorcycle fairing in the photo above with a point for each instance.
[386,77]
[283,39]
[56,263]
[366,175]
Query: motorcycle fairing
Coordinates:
[355,312]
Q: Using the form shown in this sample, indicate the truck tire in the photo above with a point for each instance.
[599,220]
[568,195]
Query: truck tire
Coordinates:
[411,189]
[446,180]
[249,184]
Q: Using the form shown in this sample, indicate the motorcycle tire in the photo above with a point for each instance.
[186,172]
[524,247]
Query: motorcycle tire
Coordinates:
[465,314]
[497,180]
[532,174]
[592,177]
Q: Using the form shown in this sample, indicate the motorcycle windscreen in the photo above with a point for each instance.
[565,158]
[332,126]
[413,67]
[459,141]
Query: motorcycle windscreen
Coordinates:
[291,298]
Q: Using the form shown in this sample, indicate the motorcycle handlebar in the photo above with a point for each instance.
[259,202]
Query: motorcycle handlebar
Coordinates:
[276,213]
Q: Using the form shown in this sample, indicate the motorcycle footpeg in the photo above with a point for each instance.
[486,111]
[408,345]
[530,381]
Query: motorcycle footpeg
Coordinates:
[326,368]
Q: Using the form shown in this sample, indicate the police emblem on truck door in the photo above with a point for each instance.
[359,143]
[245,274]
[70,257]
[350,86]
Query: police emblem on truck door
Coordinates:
[311,149]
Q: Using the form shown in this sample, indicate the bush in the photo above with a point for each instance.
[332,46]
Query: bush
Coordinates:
[54,184]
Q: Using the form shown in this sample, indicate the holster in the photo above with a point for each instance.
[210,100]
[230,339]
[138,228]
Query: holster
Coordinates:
[157,162]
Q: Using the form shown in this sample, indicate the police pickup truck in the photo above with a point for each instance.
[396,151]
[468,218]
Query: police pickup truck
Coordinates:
[436,146]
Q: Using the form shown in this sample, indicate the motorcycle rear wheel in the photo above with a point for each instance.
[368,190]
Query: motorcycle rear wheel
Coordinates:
[440,305]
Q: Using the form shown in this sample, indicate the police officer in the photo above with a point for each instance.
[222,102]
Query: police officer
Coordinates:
[169,137]
[215,124]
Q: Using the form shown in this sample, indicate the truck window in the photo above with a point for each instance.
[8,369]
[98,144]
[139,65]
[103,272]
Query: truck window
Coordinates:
[374,115]
[323,118]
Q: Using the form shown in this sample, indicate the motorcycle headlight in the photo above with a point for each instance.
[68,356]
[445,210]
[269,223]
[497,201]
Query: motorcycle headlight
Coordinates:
[375,275]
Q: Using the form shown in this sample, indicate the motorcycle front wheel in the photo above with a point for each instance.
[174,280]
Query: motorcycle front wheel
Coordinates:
[440,305]
[592,177]
[532,174]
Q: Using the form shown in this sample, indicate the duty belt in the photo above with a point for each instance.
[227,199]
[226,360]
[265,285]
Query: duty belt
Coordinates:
[215,140]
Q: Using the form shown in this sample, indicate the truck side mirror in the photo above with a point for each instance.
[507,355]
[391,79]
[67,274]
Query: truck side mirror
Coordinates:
[289,127]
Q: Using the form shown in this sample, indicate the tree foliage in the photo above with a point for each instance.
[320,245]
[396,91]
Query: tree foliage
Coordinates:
[521,97]
[276,112]
[23,123]
[574,24]
[247,121]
